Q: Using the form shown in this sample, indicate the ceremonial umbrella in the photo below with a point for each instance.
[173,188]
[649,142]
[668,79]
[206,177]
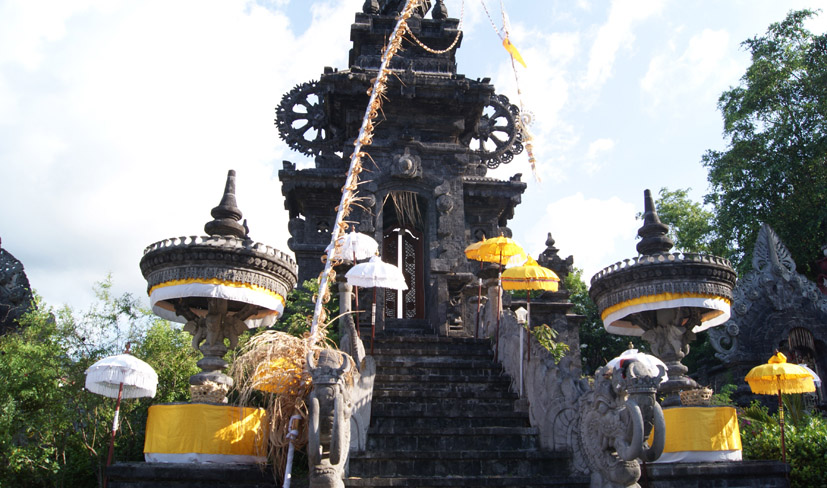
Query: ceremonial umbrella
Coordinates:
[501,250]
[778,376]
[530,276]
[354,247]
[121,376]
[648,359]
[472,252]
[376,274]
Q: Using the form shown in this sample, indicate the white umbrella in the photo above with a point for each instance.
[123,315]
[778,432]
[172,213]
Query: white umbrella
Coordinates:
[816,379]
[106,376]
[121,376]
[376,274]
[354,246]
[628,354]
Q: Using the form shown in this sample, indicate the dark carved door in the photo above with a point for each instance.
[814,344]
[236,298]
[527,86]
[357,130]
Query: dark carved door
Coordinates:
[403,247]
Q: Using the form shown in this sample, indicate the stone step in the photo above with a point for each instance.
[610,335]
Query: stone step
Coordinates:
[446,350]
[446,370]
[455,439]
[436,361]
[470,482]
[458,408]
[451,407]
[513,462]
[400,424]
[404,390]
[442,379]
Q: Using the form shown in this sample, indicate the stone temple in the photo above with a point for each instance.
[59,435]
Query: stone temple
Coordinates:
[428,195]
[436,402]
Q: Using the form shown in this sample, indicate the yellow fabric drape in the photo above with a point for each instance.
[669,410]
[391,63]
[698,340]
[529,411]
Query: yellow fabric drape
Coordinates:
[205,429]
[216,281]
[701,429]
[660,297]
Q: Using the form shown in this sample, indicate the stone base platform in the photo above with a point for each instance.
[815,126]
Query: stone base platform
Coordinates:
[174,475]
[734,474]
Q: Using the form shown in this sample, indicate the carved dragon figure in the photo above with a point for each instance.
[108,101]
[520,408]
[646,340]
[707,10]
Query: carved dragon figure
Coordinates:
[329,409]
[605,426]
[619,415]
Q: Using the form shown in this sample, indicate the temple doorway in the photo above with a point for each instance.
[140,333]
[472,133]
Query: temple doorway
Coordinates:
[403,245]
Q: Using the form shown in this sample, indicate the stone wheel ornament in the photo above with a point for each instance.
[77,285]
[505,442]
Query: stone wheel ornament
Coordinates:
[303,123]
[498,137]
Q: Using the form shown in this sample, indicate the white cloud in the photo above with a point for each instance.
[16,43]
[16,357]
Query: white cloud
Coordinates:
[597,232]
[706,67]
[595,153]
[617,32]
[126,119]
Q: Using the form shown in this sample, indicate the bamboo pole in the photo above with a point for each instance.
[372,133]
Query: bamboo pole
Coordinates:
[352,179]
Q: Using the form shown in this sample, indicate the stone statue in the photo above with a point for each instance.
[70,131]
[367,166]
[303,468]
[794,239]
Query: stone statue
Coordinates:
[618,416]
[604,426]
[329,410]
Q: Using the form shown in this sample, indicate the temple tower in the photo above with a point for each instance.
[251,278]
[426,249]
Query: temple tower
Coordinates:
[427,195]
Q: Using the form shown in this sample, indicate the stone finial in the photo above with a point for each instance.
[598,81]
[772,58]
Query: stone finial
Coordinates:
[226,215]
[371,7]
[653,233]
[440,11]
[550,259]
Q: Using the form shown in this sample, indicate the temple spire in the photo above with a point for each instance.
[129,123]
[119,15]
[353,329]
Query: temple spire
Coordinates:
[227,214]
[653,232]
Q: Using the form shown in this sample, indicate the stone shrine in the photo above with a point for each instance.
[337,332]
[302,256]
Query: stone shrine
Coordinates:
[427,195]
[774,307]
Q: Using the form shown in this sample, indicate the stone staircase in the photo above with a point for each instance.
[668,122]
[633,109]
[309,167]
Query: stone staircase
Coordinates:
[443,416]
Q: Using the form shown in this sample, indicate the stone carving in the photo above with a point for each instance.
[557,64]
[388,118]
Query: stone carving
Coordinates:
[605,428]
[329,408]
[407,165]
[767,303]
[620,414]
[552,261]
[362,392]
[15,292]
[302,121]
[497,138]
[227,257]
[654,280]
[432,115]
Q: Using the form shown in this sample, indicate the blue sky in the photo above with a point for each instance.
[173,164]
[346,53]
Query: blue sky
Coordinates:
[119,119]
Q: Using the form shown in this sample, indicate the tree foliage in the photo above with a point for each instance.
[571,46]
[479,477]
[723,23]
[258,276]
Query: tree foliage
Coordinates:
[597,346]
[806,443]
[774,169]
[54,433]
[298,311]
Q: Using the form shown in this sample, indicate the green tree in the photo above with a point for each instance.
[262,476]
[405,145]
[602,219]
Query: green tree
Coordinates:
[54,433]
[774,169]
[298,311]
[597,346]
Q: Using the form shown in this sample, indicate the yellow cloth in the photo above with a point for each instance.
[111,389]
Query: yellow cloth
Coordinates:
[206,429]
[701,429]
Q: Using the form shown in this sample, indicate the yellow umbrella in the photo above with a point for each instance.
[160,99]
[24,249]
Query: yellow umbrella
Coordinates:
[473,250]
[778,376]
[530,276]
[500,250]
